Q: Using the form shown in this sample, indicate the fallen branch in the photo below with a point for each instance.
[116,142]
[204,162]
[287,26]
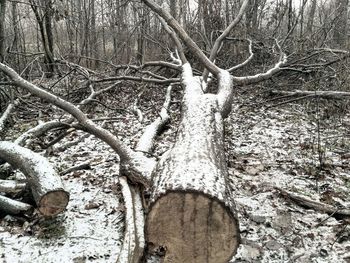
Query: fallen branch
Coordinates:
[134,240]
[6,115]
[321,94]
[136,166]
[13,207]
[11,186]
[82,166]
[65,146]
[45,183]
[318,206]
[146,141]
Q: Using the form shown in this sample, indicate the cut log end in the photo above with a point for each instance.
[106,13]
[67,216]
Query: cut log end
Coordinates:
[53,203]
[192,227]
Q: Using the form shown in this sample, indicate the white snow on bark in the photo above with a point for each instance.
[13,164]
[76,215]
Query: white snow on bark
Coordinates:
[146,142]
[31,163]
[225,92]
[197,161]
[5,116]
[192,85]
[21,140]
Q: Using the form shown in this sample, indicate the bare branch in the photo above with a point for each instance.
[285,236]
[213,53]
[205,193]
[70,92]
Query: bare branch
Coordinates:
[327,94]
[322,207]
[225,93]
[251,55]
[12,206]
[224,34]
[122,150]
[81,166]
[6,115]
[147,139]
[246,80]
[139,79]
[176,41]
[11,186]
[184,36]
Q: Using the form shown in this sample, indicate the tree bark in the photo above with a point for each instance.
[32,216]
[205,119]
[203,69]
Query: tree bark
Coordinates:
[340,27]
[311,16]
[45,27]
[45,183]
[2,29]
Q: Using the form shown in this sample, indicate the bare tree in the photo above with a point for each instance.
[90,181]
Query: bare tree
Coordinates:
[341,23]
[43,11]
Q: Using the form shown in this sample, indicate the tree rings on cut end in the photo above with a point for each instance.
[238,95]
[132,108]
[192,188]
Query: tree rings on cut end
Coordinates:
[192,227]
[53,203]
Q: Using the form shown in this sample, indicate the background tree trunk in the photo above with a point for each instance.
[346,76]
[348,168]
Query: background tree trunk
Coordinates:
[2,29]
[341,23]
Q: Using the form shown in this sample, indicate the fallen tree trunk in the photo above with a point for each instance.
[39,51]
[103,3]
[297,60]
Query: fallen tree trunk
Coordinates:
[191,212]
[45,183]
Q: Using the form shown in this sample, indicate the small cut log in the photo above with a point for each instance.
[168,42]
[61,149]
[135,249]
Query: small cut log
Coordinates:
[13,207]
[43,180]
[192,214]
[11,186]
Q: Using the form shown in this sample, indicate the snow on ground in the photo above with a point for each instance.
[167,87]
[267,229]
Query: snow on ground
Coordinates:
[266,148]
[92,227]
[278,148]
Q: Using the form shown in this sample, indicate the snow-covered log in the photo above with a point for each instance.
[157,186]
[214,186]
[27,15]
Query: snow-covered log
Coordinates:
[11,186]
[13,207]
[192,212]
[43,180]
[134,239]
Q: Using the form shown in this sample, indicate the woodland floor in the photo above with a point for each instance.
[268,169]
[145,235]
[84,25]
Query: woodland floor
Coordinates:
[279,146]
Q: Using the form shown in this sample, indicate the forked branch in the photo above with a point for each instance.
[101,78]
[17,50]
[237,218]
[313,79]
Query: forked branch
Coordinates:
[247,80]
[170,20]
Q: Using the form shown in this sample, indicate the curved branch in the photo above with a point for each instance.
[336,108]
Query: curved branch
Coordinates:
[247,80]
[175,39]
[251,55]
[137,167]
[122,150]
